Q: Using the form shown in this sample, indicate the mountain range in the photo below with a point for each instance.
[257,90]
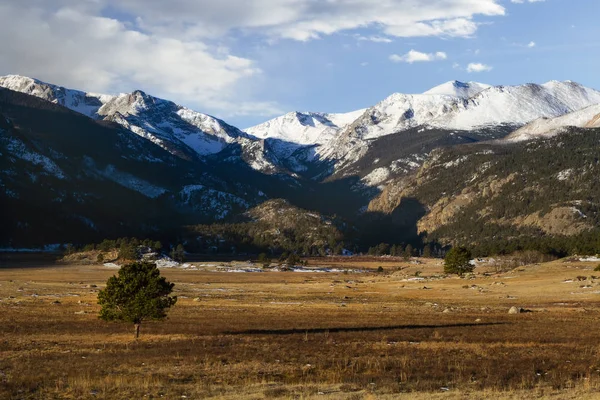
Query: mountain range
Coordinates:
[138,164]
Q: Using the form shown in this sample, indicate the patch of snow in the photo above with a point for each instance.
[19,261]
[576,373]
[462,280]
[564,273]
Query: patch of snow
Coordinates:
[376,177]
[20,150]
[456,162]
[590,259]
[565,174]
[131,182]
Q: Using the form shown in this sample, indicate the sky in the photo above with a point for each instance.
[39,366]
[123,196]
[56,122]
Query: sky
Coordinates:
[246,61]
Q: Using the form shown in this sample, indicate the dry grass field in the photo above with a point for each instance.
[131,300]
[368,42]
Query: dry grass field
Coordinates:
[408,332]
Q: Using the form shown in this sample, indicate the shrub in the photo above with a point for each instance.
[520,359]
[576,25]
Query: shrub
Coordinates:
[597,268]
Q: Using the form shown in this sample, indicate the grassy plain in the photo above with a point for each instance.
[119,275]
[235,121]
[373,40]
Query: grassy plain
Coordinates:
[309,335]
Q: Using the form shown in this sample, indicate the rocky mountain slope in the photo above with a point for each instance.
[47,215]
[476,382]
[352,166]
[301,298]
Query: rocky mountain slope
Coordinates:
[413,164]
[502,192]
[273,226]
[64,175]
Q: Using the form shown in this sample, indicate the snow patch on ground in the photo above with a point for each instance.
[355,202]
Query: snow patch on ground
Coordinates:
[565,174]
[456,162]
[376,177]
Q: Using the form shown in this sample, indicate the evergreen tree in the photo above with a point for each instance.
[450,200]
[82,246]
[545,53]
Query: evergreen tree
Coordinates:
[136,294]
[457,261]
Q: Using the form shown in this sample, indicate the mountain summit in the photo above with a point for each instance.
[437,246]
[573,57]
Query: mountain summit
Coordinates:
[463,90]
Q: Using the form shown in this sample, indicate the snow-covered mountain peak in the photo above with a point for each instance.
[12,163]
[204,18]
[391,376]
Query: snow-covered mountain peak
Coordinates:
[81,102]
[304,128]
[177,129]
[463,90]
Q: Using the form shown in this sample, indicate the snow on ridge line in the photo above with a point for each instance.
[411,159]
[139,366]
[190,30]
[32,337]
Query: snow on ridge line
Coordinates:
[304,128]
[458,89]
[548,127]
[137,112]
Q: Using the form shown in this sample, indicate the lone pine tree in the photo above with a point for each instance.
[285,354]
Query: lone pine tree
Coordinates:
[458,261]
[137,293]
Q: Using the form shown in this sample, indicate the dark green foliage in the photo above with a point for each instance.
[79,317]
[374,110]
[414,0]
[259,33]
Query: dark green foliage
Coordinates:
[128,251]
[107,245]
[597,268]
[457,261]
[136,294]
[381,249]
[409,251]
[380,269]
[427,251]
[293,259]
[100,258]
[69,249]
[264,259]
[178,253]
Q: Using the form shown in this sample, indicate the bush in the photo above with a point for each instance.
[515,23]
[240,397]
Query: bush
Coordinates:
[597,268]
[127,252]
[178,253]
[100,258]
[293,259]
[457,261]
[380,269]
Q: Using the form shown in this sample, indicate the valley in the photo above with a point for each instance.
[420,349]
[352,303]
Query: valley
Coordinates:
[406,332]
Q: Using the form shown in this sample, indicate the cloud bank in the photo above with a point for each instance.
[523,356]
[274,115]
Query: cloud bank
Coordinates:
[172,48]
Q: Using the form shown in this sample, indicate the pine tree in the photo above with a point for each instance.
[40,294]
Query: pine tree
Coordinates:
[136,294]
[457,261]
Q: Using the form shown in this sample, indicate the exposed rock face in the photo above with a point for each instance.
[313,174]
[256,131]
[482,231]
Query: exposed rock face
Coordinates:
[560,221]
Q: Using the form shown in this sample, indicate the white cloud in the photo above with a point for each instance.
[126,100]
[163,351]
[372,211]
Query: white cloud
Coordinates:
[376,39]
[416,56]
[176,49]
[478,67]
[309,19]
[531,44]
[71,48]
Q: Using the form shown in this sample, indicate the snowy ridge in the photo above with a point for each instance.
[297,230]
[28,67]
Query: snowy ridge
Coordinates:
[304,128]
[84,103]
[548,127]
[173,127]
[495,105]
[463,90]
[297,140]
[518,105]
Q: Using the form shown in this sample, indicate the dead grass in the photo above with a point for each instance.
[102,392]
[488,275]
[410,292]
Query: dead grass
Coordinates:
[307,335]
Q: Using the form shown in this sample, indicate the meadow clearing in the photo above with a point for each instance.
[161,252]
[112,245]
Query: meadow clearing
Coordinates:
[406,332]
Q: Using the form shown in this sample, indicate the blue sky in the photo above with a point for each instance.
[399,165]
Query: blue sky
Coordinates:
[247,61]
